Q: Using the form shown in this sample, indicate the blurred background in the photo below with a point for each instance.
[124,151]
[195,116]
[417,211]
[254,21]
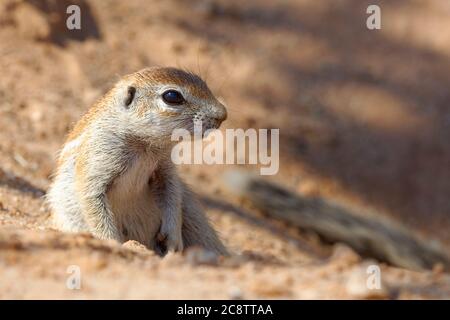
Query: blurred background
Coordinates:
[364,115]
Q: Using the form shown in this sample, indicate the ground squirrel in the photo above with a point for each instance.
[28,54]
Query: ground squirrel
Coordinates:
[115,177]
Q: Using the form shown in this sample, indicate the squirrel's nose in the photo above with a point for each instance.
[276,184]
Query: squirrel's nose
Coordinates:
[220,112]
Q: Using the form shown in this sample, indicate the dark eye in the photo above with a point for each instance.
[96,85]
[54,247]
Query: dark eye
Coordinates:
[173,97]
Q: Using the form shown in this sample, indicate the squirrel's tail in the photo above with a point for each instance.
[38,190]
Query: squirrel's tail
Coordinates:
[370,235]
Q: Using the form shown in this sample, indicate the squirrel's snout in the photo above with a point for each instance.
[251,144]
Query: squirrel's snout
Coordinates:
[219,113]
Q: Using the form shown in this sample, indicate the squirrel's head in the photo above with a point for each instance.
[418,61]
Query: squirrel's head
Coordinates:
[157,101]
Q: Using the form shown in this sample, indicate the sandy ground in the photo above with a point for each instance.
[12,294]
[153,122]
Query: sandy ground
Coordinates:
[363,115]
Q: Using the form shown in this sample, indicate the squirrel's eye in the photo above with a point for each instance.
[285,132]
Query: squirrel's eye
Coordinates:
[173,97]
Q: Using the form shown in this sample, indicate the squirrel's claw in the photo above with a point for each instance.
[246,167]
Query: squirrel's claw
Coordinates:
[165,242]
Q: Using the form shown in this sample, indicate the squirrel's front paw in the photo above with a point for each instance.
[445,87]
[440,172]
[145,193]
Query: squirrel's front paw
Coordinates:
[168,241]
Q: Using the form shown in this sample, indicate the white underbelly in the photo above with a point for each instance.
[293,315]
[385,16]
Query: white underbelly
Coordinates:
[133,202]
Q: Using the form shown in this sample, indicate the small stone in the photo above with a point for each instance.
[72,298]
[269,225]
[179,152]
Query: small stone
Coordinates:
[342,252]
[235,293]
[135,246]
[201,256]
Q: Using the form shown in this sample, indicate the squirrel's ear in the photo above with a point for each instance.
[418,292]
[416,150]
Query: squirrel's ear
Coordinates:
[130,96]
